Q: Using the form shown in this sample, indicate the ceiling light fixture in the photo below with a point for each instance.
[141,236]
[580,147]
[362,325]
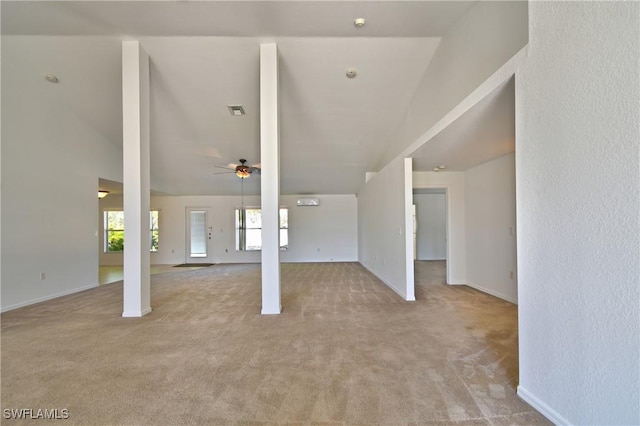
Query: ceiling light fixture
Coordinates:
[102,193]
[359,22]
[236,110]
[352,72]
[438,168]
[242,173]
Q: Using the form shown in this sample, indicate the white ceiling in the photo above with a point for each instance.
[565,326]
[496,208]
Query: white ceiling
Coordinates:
[485,132]
[204,56]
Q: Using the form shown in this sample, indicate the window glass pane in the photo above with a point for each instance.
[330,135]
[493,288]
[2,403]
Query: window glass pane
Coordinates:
[198,234]
[254,239]
[249,229]
[114,231]
[284,218]
[153,221]
[254,218]
[284,238]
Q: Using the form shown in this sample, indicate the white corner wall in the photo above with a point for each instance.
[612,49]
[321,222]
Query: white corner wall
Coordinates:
[481,42]
[577,142]
[490,201]
[431,218]
[326,233]
[385,248]
[52,156]
[453,182]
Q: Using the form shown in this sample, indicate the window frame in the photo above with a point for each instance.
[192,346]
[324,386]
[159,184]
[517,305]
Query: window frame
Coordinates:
[152,229]
[241,227]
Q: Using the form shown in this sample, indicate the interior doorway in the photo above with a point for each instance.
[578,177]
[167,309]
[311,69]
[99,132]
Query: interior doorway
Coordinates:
[430,235]
[431,223]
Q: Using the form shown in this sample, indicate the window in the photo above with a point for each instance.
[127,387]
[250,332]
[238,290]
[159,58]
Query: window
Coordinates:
[114,231]
[249,229]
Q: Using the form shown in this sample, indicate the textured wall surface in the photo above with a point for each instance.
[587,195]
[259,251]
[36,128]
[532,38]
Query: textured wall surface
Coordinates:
[382,224]
[577,209]
[490,201]
[52,156]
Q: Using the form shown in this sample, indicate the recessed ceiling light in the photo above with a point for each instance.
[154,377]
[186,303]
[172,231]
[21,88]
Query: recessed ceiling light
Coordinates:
[359,22]
[236,110]
[436,169]
[351,72]
[442,167]
[51,78]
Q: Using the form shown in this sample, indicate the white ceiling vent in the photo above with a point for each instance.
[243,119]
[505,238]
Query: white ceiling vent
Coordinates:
[308,202]
[236,110]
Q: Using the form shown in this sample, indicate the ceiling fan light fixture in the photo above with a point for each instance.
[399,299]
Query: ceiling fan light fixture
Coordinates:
[242,173]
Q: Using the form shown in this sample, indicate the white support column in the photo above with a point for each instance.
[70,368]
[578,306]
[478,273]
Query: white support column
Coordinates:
[136,170]
[270,179]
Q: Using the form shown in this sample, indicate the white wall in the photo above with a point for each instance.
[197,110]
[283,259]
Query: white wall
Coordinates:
[453,182]
[324,233]
[490,202]
[431,218]
[383,220]
[577,142]
[471,51]
[53,152]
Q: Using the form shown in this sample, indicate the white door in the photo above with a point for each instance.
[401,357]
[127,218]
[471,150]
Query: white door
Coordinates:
[198,248]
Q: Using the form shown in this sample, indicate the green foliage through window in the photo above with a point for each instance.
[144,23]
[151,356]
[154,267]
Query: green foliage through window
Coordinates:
[114,231]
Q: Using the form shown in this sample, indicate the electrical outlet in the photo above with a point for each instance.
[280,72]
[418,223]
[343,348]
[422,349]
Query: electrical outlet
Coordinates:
[511,274]
[43,276]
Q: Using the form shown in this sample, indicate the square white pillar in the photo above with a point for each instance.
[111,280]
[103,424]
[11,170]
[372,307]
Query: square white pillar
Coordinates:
[270,179]
[136,171]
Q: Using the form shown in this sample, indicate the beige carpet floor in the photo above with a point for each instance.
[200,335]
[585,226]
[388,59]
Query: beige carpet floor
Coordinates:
[345,350]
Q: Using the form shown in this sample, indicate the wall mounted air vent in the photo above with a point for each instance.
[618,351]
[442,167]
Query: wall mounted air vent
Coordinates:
[236,110]
[308,202]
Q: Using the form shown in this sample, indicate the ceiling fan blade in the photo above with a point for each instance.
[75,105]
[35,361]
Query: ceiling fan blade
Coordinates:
[224,173]
[226,168]
[257,166]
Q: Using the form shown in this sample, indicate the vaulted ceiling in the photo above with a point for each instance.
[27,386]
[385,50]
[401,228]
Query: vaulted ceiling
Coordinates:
[205,56]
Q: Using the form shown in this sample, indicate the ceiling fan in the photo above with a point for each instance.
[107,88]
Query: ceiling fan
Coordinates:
[241,170]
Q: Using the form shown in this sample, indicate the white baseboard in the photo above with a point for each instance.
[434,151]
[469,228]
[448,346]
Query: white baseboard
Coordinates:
[493,293]
[45,298]
[137,314]
[543,408]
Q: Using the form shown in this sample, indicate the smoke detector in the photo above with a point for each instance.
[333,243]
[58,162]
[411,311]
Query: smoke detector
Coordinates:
[51,78]
[351,73]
